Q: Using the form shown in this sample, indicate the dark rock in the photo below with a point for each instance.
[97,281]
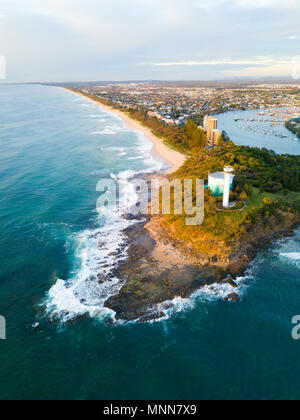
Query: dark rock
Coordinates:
[130,216]
[79,318]
[232,283]
[149,283]
[114,273]
[233,297]
[152,317]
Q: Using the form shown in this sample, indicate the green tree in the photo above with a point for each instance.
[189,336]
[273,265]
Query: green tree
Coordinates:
[196,137]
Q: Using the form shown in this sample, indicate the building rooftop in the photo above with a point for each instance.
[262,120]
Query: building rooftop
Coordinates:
[217,175]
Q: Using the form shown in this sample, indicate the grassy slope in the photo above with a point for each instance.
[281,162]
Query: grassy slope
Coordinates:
[223,230]
[258,196]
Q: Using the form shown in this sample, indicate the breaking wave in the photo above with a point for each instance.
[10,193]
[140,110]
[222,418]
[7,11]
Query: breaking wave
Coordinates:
[99,252]
[289,249]
[212,293]
[107,131]
[291,255]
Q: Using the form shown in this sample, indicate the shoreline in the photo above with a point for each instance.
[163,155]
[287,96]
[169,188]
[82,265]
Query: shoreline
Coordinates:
[159,269]
[172,157]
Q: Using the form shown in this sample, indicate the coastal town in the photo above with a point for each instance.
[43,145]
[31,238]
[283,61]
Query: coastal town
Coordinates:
[174,104]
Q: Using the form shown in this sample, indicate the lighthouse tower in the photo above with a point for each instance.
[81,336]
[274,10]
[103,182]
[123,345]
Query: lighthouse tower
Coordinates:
[228,180]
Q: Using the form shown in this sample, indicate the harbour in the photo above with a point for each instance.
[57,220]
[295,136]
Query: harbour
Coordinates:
[259,128]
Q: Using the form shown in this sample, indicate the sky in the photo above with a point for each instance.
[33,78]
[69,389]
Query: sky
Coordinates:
[89,40]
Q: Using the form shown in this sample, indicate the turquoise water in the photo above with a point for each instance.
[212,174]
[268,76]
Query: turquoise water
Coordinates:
[54,148]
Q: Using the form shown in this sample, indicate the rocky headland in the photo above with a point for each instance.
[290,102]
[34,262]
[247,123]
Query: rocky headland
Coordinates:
[160,268]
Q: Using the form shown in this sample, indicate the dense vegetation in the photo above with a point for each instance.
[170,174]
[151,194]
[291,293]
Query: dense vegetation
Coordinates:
[260,168]
[188,139]
[267,183]
[267,186]
[294,126]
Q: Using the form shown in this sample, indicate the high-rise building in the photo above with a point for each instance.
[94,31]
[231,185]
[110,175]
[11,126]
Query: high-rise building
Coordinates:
[205,123]
[216,137]
[210,125]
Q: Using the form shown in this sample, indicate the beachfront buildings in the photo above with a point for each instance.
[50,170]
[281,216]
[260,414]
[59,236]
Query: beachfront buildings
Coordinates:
[175,103]
[216,137]
[210,126]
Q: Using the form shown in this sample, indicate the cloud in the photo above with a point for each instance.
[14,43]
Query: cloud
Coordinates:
[255,3]
[279,68]
[262,3]
[174,39]
[267,71]
[256,66]
[223,61]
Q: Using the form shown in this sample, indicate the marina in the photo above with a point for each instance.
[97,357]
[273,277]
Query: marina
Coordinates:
[259,128]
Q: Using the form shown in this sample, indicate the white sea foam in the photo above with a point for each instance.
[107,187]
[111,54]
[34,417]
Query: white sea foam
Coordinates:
[115,149]
[136,158]
[109,131]
[212,293]
[289,249]
[291,255]
[99,252]
[291,258]
[82,293]
[106,131]
[117,127]
[98,116]
[145,148]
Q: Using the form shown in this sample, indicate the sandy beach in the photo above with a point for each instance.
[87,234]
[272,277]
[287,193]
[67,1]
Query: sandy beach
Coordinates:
[174,158]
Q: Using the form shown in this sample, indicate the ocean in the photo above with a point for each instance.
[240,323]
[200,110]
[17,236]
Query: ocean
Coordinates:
[54,148]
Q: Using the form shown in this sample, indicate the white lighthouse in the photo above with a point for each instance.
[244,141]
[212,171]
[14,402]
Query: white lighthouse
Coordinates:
[228,180]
